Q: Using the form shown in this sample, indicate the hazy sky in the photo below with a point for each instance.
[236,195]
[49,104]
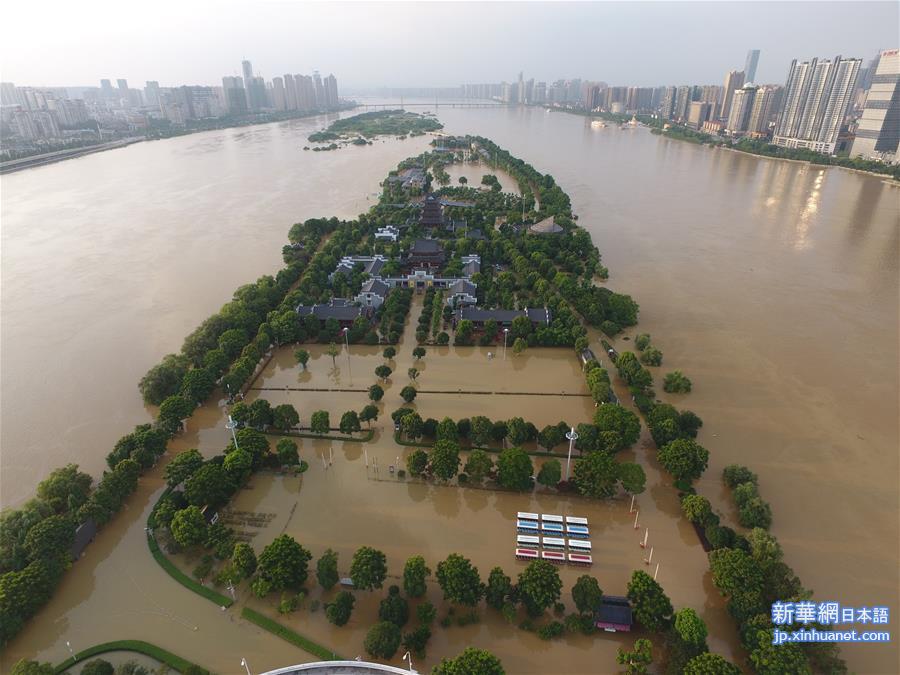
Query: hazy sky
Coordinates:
[429,43]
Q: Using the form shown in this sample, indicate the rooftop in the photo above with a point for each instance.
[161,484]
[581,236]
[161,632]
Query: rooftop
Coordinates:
[376,286]
[546,226]
[339,309]
[478,315]
[425,247]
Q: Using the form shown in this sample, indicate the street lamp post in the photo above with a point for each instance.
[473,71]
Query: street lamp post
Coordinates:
[231,425]
[69,647]
[505,336]
[408,658]
[347,342]
[572,436]
[246,666]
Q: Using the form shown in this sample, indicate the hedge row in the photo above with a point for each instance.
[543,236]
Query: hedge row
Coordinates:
[289,635]
[139,646]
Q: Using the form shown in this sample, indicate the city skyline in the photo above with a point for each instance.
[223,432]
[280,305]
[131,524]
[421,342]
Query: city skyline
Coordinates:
[545,42]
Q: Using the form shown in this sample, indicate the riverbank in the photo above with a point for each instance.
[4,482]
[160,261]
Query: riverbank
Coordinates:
[59,155]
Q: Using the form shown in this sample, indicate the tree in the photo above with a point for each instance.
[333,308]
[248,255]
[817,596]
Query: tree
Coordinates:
[394,608]
[383,372]
[677,382]
[260,414]
[389,353]
[210,485]
[697,509]
[459,580]
[595,475]
[550,473]
[652,356]
[632,477]
[519,346]
[408,393]
[514,469]
[711,664]
[176,408]
[463,180]
[415,640]
[333,351]
[413,373]
[551,436]
[243,560]
[445,459]
[65,489]
[587,594]
[284,564]
[684,459]
[382,640]
[642,341]
[368,414]
[418,353]
[375,393]
[481,430]
[285,417]
[411,424]
[163,379]
[517,431]
[769,659]
[188,527]
[498,589]
[691,629]
[254,442]
[426,613]
[612,417]
[416,462]
[349,422]
[414,574]
[98,667]
[183,466]
[50,537]
[478,465]
[651,606]
[23,667]
[368,569]
[320,422]
[238,465]
[302,357]
[197,385]
[539,586]
[638,658]
[469,662]
[287,452]
[443,338]
[447,430]
[326,570]
[338,612]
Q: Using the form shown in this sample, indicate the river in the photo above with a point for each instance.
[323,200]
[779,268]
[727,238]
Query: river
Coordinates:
[773,285]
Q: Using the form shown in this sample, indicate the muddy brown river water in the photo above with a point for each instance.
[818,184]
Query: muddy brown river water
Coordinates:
[773,285]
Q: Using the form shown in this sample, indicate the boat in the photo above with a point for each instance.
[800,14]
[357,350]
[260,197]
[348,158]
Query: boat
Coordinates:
[598,124]
[557,557]
[526,554]
[580,559]
[553,543]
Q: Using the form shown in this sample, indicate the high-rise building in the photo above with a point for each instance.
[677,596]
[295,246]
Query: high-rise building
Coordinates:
[306,92]
[290,92]
[878,134]
[247,69]
[331,92]
[151,93]
[817,96]
[758,122]
[750,65]
[106,89]
[319,90]
[683,98]
[700,112]
[741,106]
[667,106]
[734,80]
[234,94]
[279,98]
[8,94]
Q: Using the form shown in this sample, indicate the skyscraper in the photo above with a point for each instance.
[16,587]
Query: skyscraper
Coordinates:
[734,80]
[741,106]
[290,92]
[319,90]
[235,96]
[750,65]
[878,134]
[151,93]
[758,123]
[279,100]
[817,96]
[331,92]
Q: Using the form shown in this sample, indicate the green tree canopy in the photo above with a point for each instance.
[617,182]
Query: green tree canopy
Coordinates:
[210,485]
[408,394]
[469,662]
[711,664]
[613,417]
[595,475]
[368,569]
[498,589]
[50,537]
[327,570]
[320,422]
[382,640]
[376,393]
[587,594]
[188,527]
[415,572]
[285,417]
[550,473]
[394,608]
[243,560]
[652,607]
[514,469]
[339,610]
[286,449]
[445,459]
[478,465]
[684,459]
[368,414]
[638,659]
[65,489]
[459,580]
[481,432]
[691,629]
[539,586]
[284,564]
[349,422]
[183,466]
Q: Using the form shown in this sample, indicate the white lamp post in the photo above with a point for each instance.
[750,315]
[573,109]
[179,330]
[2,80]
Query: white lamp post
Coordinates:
[69,647]
[408,658]
[347,342]
[572,436]
[505,336]
[246,666]
[231,425]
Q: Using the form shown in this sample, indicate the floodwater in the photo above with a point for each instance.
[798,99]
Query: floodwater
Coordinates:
[773,285]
